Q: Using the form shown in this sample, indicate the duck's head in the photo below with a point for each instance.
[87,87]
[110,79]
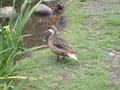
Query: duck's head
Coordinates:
[49,32]
[53,28]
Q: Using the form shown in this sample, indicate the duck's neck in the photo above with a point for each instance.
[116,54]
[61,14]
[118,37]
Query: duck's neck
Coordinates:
[52,35]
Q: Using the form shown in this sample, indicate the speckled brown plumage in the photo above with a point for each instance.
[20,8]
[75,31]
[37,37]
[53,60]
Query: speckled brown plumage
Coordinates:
[58,45]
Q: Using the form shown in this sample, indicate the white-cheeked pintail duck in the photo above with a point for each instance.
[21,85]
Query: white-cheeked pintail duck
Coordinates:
[58,45]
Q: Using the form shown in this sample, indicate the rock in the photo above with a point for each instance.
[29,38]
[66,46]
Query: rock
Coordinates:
[7,12]
[43,10]
[60,7]
[30,1]
[47,0]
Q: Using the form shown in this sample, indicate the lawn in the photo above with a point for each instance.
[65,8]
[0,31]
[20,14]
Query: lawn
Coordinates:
[93,30]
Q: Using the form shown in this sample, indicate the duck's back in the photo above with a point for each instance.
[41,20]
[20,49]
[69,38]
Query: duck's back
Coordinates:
[62,44]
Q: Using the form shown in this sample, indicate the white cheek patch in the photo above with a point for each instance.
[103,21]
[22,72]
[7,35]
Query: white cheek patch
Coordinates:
[52,31]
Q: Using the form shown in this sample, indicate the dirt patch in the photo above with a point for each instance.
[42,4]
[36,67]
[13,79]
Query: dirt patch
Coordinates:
[113,66]
[98,6]
[114,54]
[91,21]
[114,69]
[101,6]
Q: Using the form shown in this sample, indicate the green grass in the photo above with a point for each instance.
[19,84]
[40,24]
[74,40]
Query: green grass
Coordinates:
[91,41]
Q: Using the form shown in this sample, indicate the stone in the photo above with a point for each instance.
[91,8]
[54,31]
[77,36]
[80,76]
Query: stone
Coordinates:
[6,13]
[47,0]
[43,10]
[30,1]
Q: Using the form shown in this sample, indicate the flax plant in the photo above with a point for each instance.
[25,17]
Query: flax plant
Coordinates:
[11,43]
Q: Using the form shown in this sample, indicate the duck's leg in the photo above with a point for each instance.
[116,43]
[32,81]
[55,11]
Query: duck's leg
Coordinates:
[57,58]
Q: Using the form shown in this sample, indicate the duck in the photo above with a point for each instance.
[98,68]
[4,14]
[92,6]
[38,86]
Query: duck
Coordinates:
[46,34]
[59,46]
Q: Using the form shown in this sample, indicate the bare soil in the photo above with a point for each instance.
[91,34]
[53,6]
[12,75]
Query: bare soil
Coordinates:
[113,66]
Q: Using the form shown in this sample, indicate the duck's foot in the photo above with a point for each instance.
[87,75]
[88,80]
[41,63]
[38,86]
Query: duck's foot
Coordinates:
[59,58]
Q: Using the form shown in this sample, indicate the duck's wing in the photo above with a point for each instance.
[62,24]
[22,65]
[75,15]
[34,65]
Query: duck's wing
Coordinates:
[61,44]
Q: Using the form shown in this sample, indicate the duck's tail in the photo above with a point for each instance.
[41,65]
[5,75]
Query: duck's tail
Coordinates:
[71,55]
